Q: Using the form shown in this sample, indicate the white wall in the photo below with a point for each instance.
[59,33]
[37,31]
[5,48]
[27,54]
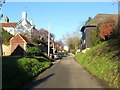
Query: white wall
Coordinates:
[6,50]
[10,30]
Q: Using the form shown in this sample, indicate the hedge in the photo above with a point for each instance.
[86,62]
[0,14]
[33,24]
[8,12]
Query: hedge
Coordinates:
[19,70]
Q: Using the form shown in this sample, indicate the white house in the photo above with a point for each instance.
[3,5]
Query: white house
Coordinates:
[8,26]
[23,26]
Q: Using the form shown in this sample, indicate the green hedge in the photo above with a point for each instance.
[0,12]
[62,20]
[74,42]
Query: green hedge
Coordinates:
[5,36]
[103,62]
[32,50]
[94,37]
[18,70]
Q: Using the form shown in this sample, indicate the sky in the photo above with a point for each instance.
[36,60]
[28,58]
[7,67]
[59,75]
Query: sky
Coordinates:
[64,17]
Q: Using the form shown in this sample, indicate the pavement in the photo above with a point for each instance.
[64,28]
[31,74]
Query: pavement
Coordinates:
[65,73]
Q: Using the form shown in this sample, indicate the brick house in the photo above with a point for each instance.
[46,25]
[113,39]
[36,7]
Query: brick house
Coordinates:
[21,41]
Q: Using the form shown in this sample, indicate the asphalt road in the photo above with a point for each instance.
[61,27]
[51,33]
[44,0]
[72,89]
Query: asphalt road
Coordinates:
[66,73]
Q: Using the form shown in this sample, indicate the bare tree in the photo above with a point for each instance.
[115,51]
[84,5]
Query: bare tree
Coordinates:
[73,41]
[59,45]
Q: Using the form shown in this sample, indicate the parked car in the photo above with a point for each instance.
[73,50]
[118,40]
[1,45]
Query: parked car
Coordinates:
[57,56]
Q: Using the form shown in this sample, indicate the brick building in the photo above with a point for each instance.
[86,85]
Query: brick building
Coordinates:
[20,41]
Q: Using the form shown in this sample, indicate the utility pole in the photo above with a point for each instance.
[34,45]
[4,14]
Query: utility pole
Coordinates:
[48,39]
[53,46]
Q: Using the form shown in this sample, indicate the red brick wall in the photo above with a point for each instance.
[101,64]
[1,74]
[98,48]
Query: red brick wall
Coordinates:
[14,46]
[15,41]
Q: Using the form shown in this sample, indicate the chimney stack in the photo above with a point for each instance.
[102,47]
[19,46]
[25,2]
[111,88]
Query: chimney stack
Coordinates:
[31,22]
[6,20]
[24,15]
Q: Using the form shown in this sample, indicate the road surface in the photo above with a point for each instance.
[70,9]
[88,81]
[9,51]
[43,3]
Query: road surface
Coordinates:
[66,73]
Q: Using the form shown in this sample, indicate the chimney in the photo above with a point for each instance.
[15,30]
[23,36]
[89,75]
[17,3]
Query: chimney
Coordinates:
[24,15]
[6,20]
[31,22]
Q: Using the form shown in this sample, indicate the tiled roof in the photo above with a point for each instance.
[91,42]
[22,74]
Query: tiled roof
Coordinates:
[20,38]
[26,39]
[8,24]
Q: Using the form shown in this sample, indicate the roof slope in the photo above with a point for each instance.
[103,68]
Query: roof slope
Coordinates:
[8,24]
[26,39]
[99,18]
[19,38]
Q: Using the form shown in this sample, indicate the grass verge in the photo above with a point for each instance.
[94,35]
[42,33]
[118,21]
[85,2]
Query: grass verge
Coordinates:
[102,61]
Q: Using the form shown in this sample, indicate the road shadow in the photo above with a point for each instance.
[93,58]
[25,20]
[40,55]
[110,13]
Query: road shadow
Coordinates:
[31,85]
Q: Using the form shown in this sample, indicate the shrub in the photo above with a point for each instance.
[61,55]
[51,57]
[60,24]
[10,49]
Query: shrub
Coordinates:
[18,70]
[32,50]
[94,38]
[73,51]
[106,29]
[5,36]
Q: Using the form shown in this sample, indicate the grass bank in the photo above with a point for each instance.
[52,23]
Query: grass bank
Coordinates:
[103,61]
[16,71]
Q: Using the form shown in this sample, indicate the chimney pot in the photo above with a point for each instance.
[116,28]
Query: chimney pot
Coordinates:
[6,20]
[24,15]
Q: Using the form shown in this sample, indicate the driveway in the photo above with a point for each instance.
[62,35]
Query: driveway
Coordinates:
[66,73]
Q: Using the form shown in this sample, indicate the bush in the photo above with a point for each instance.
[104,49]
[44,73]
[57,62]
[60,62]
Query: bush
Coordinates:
[73,51]
[5,36]
[64,53]
[106,29]
[32,50]
[94,37]
[18,70]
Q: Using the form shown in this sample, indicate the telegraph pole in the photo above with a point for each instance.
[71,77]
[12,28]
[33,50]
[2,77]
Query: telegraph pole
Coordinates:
[48,39]
[53,46]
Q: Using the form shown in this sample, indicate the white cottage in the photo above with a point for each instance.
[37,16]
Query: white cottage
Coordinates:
[21,27]
[9,26]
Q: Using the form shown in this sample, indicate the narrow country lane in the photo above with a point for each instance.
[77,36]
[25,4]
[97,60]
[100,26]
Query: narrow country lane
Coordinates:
[66,73]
